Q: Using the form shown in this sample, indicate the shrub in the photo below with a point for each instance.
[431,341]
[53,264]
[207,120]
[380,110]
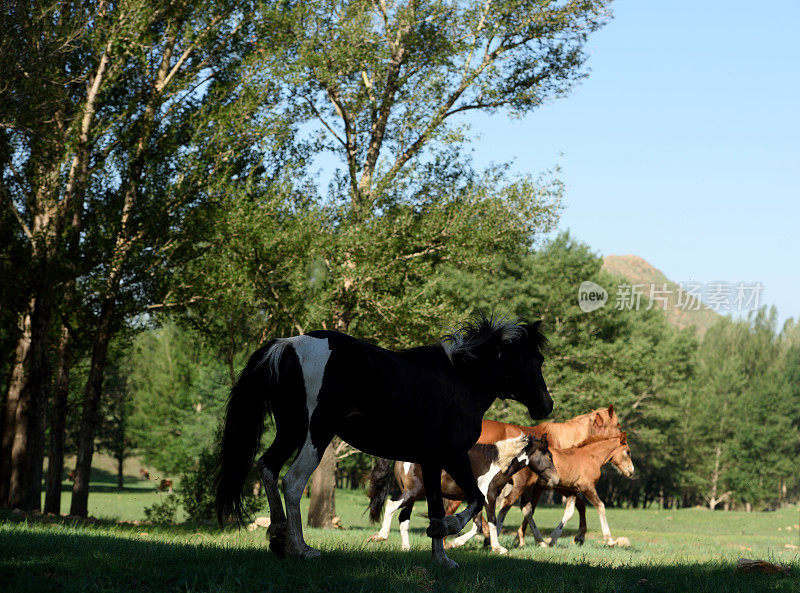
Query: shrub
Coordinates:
[198,493]
[163,512]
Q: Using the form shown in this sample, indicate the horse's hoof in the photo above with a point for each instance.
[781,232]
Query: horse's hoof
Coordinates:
[445,561]
[553,543]
[276,533]
[453,524]
[500,550]
[405,548]
[542,544]
[610,543]
[579,541]
[521,543]
[310,553]
[377,537]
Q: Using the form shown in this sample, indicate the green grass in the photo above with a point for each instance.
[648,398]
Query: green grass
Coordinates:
[671,551]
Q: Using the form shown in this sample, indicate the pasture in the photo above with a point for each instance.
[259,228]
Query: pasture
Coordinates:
[671,551]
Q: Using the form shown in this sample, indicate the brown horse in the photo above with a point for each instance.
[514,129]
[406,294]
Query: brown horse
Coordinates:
[579,469]
[560,435]
[603,422]
[493,465]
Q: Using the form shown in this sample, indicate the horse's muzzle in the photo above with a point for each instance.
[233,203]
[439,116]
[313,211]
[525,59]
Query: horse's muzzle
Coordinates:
[543,408]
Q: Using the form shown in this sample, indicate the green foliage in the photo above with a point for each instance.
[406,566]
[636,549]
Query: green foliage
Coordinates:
[178,390]
[163,512]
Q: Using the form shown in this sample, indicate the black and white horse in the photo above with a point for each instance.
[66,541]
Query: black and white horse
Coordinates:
[326,383]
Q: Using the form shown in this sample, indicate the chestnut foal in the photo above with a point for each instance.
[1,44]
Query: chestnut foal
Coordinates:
[579,471]
[602,422]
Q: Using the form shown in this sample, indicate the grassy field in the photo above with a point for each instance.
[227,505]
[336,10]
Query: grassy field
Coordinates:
[673,550]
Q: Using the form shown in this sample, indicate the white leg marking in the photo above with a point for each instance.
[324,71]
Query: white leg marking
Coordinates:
[568,512]
[496,547]
[388,513]
[406,545]
[461,540]
[601,510]
[313,354]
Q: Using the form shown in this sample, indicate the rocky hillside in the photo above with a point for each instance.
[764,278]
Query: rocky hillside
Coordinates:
[636,270]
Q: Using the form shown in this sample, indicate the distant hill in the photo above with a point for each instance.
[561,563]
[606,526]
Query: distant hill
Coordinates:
[638,271]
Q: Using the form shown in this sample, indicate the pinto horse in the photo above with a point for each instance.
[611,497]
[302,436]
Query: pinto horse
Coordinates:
[493,465]
[326,383]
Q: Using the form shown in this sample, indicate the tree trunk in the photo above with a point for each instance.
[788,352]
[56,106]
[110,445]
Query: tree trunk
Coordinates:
[91,402]
[322,508]
[120,476]
[58,417]
[16,385]
[27,448]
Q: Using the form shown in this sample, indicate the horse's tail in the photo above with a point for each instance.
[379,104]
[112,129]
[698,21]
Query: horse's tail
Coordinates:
[248,406]
[380,481]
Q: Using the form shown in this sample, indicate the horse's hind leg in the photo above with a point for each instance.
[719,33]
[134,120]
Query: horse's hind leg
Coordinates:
[405,519]
[580,537]
[529,501]
[569,510]
[388,512]
[293,484]
[289,423]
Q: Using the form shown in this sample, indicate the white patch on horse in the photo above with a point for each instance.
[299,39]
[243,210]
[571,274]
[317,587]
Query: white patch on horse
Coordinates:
[313,355]
[507,451]
[406,467]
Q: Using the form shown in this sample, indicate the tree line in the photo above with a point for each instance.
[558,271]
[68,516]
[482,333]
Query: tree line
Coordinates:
[162,215]
[160,157]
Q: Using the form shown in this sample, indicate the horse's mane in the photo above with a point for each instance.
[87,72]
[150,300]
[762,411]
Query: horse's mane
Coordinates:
[473,334]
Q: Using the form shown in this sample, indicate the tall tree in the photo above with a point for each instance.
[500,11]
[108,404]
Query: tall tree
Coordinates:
[382,85]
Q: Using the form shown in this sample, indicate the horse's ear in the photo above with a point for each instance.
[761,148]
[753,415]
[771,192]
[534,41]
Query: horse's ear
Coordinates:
[623,438]
[544,440]
[611,411]
[532,328]
[597,420]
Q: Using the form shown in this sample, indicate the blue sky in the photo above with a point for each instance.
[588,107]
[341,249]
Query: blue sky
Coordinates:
[683,144]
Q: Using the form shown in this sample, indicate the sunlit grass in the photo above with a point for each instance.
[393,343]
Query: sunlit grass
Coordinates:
[671,550]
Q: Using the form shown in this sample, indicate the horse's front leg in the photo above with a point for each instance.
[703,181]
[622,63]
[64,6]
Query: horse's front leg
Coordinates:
[491,501]
[569,510]
[591,495]
[460,470]
[437,529]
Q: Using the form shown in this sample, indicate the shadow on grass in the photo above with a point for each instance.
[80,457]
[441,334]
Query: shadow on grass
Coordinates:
[50,558]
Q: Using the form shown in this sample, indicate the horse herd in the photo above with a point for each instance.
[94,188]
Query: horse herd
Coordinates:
[423,408]
[516,464]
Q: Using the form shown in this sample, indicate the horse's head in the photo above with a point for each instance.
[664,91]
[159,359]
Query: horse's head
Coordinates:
[521,361]
[505,358]
[540,461]
[621,458]
[605,422]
